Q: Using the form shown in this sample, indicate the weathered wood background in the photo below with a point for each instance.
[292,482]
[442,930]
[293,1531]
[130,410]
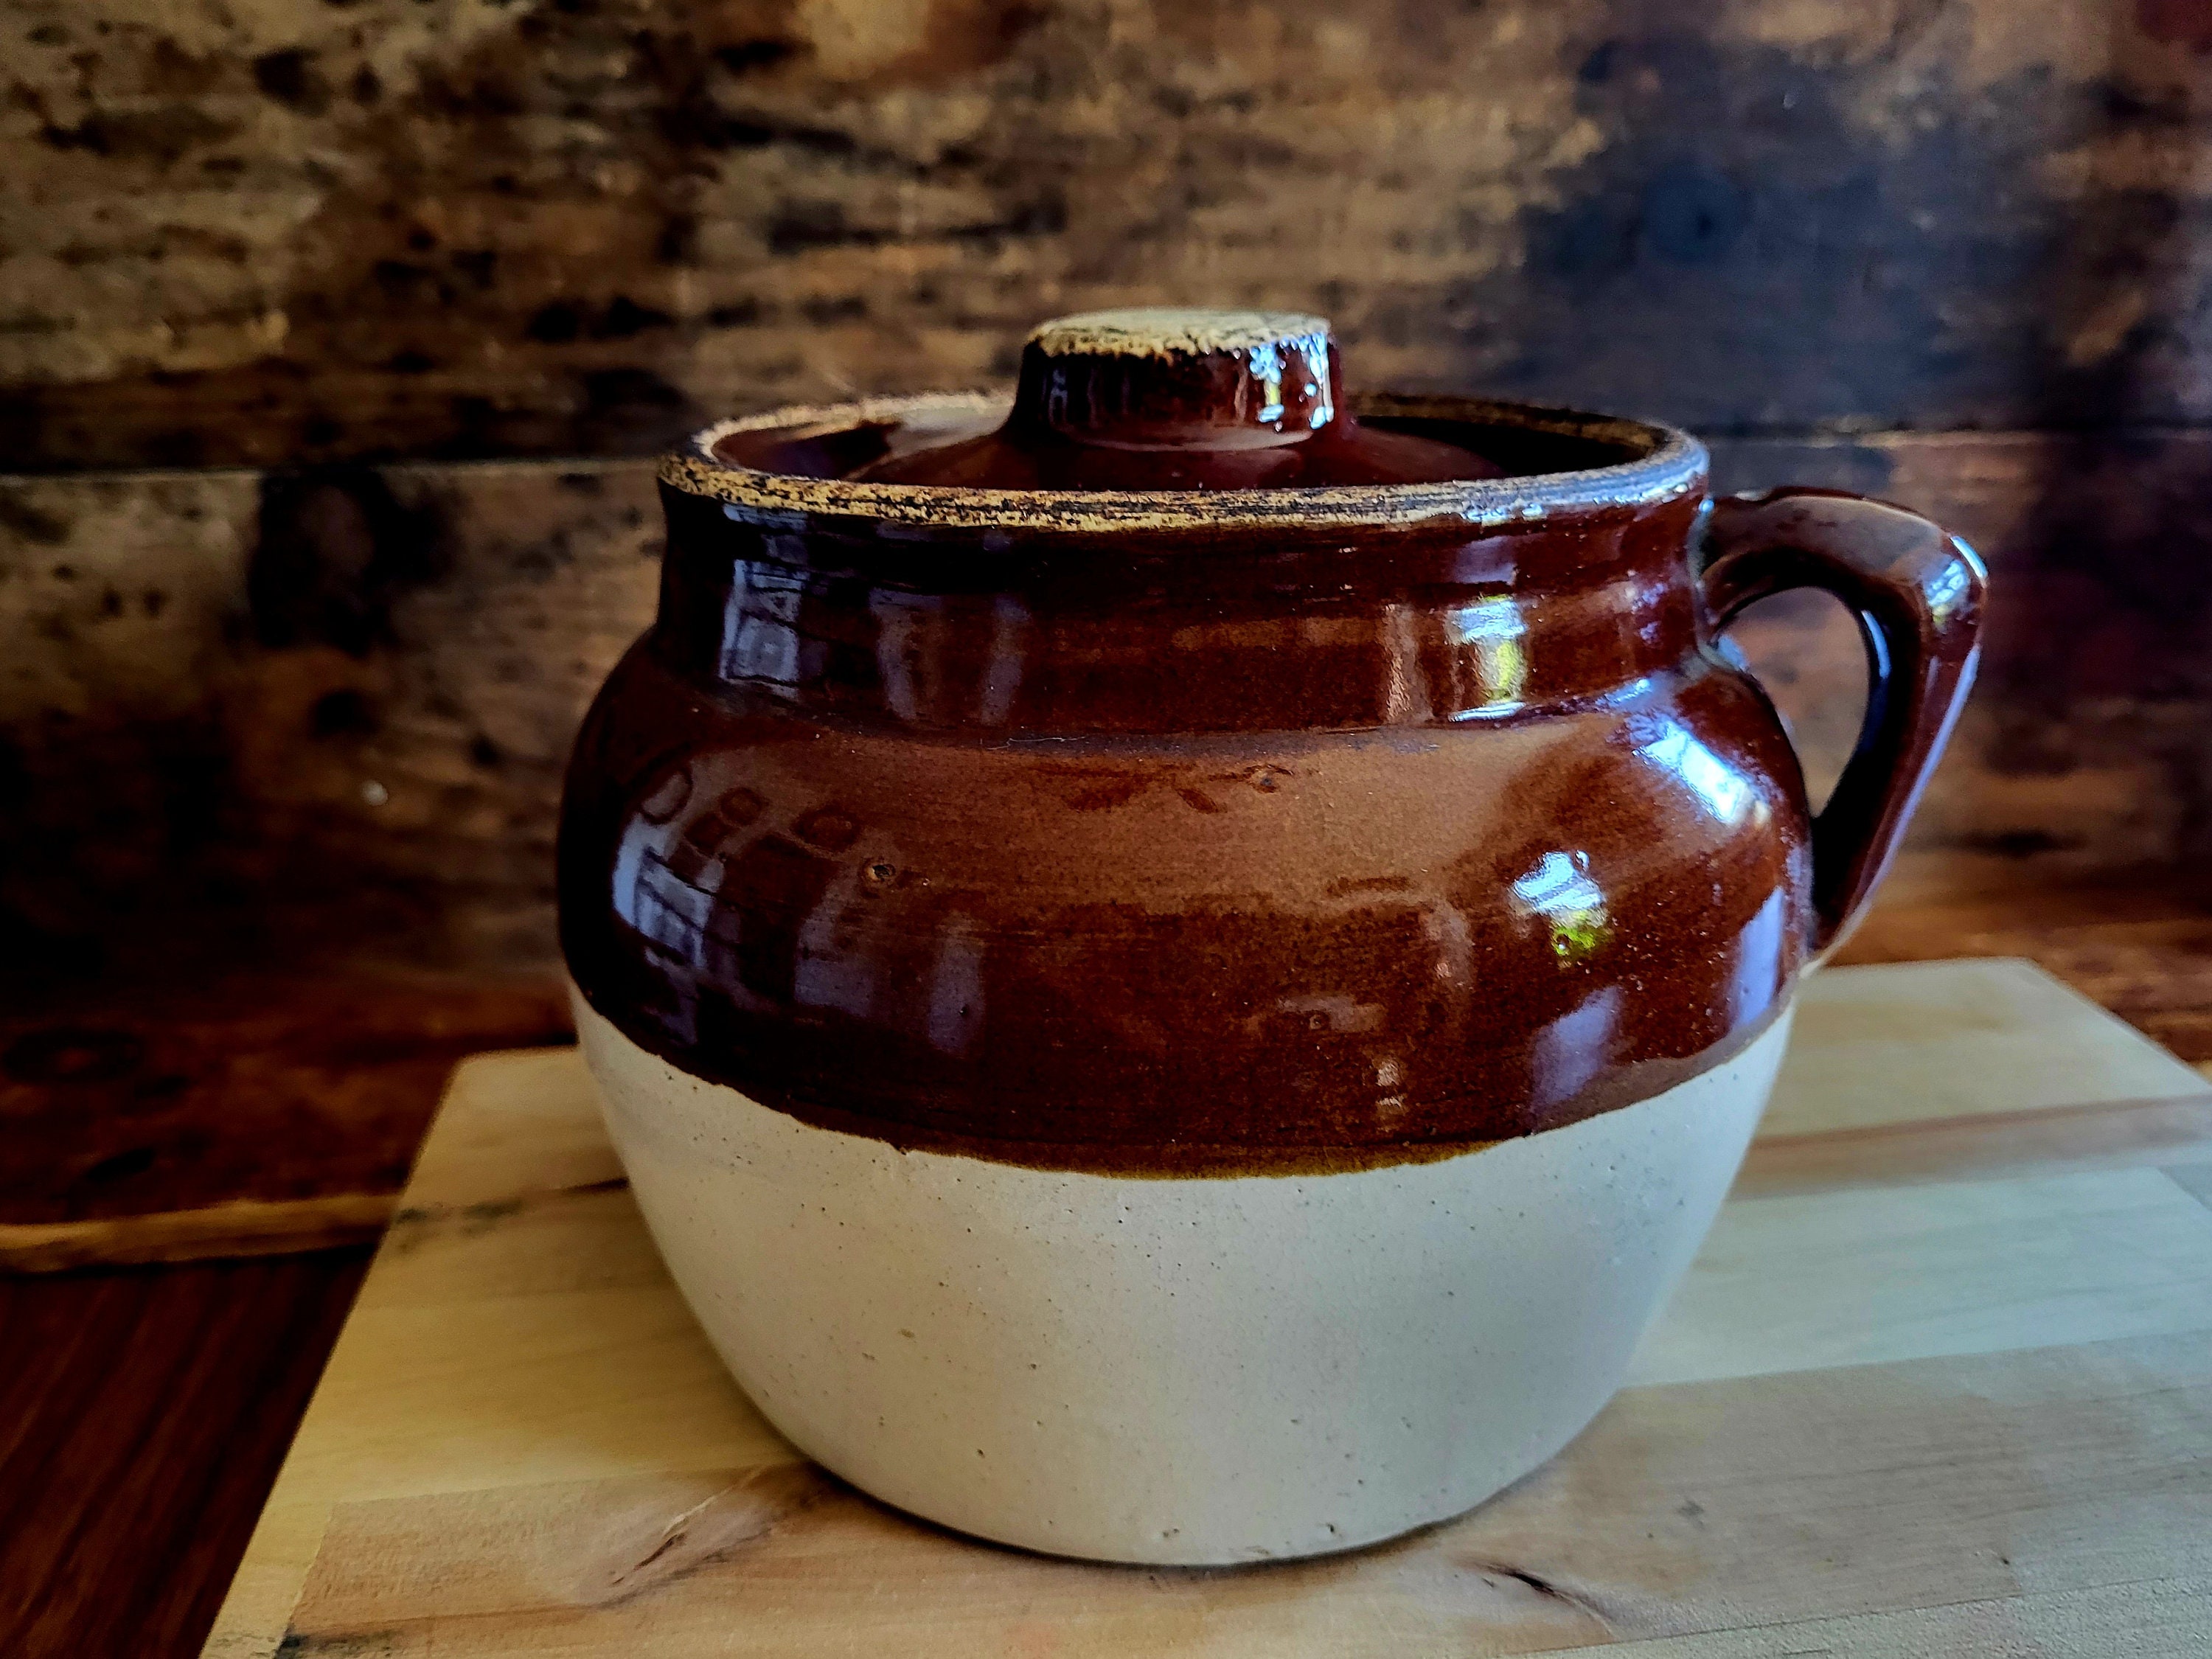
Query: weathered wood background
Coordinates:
[333,335]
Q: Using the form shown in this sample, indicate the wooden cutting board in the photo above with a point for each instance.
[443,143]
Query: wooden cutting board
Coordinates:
[1940,1383]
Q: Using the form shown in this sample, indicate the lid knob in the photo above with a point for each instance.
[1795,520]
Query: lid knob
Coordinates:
[1160,378]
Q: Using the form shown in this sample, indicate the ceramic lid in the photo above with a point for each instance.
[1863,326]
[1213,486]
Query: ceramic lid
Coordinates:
[1148,420]
[1170,399]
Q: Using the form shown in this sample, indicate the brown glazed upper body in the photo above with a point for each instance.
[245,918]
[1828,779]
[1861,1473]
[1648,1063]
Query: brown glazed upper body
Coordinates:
[1224,830]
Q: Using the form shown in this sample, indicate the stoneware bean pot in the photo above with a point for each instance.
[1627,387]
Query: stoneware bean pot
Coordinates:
[1179,970]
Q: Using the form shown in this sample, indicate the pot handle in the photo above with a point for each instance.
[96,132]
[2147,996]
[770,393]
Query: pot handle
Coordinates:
[1917,592]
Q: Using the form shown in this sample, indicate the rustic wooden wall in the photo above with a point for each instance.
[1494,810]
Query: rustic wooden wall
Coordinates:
[287,287]
[297,230]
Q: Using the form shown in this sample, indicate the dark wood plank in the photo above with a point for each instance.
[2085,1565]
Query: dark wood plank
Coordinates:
[142,1117]
[269,234]
[143,1414]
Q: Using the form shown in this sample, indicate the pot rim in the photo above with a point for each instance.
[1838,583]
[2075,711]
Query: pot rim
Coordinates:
[1674,463]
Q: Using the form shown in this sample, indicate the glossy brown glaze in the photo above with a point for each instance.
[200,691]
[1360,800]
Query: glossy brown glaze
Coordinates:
[1917,594]
[1191,834]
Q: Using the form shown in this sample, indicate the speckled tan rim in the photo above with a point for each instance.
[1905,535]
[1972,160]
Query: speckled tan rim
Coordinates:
[1172,332]
[1674,463]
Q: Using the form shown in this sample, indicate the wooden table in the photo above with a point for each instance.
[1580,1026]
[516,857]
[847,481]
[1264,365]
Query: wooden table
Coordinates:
[1939,1381]
[127,1489]
[144,1412]
[204,1113]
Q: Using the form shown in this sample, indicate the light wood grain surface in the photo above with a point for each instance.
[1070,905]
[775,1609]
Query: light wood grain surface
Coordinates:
[1940,1382]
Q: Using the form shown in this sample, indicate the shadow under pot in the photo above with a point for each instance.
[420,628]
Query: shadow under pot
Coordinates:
[1180,970]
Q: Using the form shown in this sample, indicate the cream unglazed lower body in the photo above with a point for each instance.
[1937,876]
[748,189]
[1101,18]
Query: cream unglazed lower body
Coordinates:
[1175,1369]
